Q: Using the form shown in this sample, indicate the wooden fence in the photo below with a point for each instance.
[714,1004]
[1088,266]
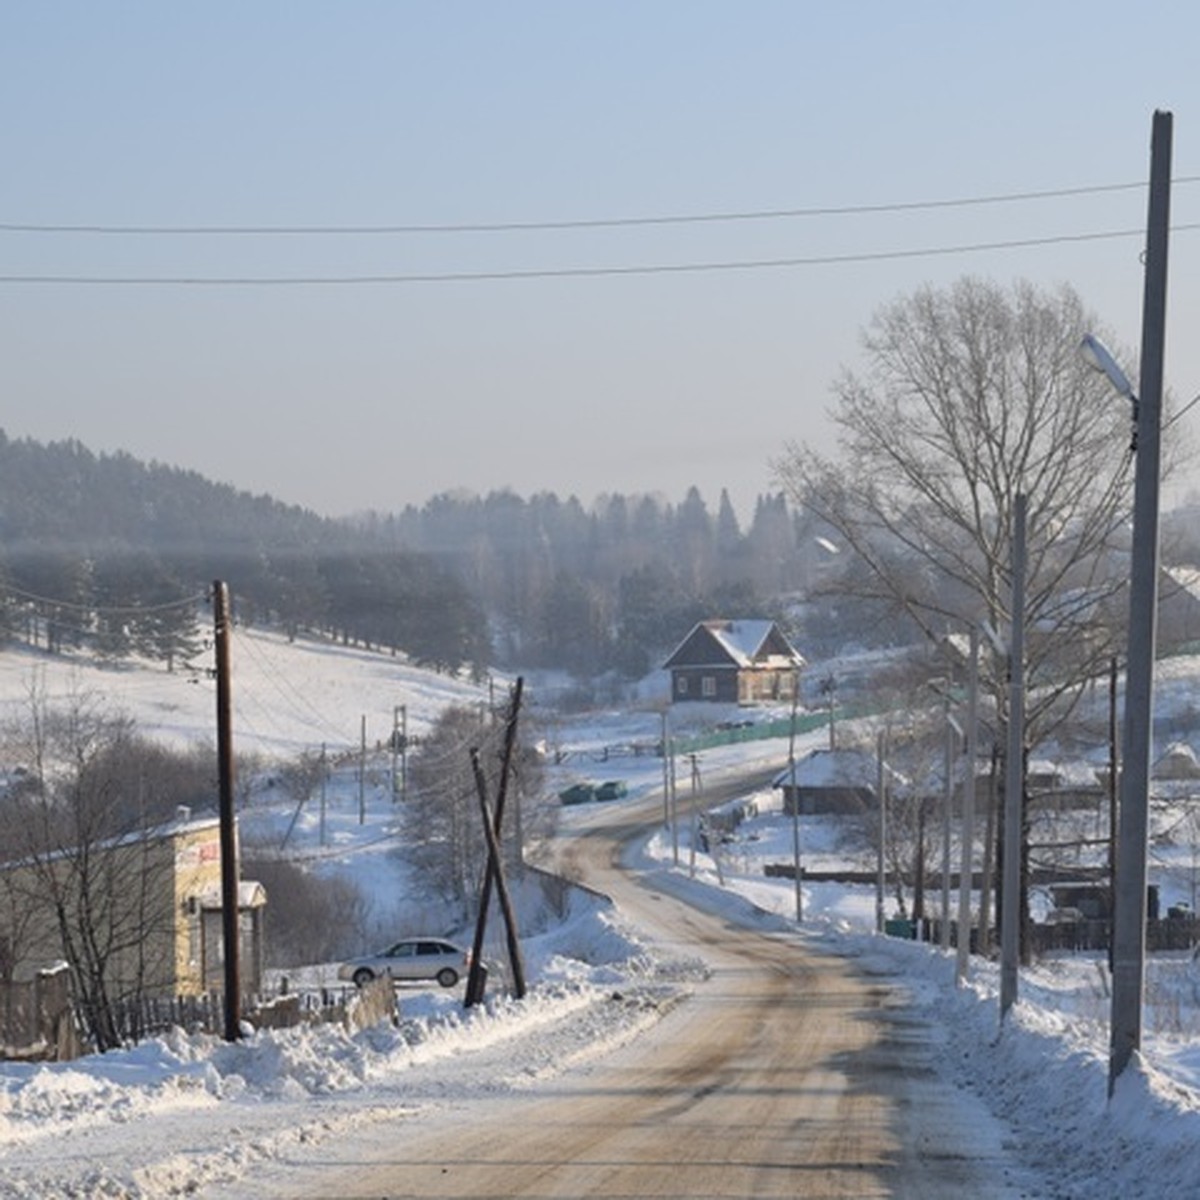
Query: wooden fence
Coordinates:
[38,1021]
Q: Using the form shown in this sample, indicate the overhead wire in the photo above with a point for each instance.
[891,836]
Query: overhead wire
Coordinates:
[634,269]
[292,696]
[816,260]
[769,214]
[104,609]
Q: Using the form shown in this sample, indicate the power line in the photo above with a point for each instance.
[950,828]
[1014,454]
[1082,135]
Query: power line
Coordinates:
[572,272]
[184,602]
[770,214]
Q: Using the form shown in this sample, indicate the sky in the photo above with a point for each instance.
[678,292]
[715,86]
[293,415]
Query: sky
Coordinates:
[190,1114]
[544,375]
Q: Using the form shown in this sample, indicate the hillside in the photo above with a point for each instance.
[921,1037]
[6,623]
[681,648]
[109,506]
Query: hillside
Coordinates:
[107,553]
[288,696]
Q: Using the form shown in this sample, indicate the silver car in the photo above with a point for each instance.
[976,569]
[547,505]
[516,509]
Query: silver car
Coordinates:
[411,959]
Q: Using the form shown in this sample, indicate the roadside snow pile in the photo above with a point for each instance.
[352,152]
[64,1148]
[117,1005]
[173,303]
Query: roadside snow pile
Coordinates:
[1046,1073]
[596,986]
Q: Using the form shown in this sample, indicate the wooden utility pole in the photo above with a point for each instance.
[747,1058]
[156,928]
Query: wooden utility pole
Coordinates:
[228,829]
[495,874]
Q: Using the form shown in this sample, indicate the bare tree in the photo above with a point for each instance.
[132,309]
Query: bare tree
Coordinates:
[970,396]
[312,918]
[447,849]
[95,892]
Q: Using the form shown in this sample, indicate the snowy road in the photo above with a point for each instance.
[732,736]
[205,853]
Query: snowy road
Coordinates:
[785,1073]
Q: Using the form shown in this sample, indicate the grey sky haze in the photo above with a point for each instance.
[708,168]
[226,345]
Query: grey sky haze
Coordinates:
[348,396]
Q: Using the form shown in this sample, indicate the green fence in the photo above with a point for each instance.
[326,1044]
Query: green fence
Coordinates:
[758,732]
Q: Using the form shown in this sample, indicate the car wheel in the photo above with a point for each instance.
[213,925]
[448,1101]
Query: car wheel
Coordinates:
[447,977]
[363,976]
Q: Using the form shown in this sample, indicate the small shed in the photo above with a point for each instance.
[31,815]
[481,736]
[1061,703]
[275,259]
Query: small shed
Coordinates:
[734,662]
[843,782]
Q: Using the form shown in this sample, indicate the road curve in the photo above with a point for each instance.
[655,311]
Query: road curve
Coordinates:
[786,1073]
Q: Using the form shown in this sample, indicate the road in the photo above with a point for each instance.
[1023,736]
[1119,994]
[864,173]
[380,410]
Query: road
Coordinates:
[787,1073]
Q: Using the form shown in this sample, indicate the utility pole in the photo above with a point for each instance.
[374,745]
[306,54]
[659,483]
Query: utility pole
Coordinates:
[395,753]
[674,801]
[1014,776]
[666,772]
[947,808]
[324,776]
[881,859]
[493,821]
[1129,917]
[362,771]
[228,828]
[966,877]
[796,872]
[695,764]
[1113,775]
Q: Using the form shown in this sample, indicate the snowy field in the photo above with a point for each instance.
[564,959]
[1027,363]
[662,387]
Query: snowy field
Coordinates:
[193,1115]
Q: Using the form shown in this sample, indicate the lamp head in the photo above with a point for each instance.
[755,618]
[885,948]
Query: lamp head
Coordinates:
[1096,355]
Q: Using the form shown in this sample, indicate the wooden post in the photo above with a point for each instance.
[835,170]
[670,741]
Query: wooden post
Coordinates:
[228,829]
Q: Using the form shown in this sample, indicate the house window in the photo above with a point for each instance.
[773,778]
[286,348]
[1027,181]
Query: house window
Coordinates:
[708,686]
[681,685]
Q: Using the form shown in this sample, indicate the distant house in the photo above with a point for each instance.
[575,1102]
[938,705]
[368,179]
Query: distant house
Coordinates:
[1178,606]
[734,662]
[835,781]
[1059,786]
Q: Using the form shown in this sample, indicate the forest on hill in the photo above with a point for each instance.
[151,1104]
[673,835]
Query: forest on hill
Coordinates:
[117,554]
[109,552]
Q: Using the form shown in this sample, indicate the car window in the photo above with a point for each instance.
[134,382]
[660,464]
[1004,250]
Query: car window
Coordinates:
[431,948]
[402,950]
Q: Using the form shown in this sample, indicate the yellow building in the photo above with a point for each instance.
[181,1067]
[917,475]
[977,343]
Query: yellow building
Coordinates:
[152,912]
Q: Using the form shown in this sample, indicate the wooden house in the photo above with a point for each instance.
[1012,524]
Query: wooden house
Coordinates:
[734,662]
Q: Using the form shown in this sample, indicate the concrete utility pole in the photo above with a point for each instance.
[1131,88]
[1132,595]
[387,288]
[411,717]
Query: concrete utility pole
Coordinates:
[1129,916]
[796,872]
[967,874]
[228,827]
[1014,778]
[666,740]
[947,808]
[881,858]
[695,764]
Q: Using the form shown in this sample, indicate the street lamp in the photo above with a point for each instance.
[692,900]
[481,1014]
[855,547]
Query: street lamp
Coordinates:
[1130,865]
[1014,786]
[1129,909]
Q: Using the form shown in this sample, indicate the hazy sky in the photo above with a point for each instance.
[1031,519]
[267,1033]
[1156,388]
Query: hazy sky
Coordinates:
[347,396]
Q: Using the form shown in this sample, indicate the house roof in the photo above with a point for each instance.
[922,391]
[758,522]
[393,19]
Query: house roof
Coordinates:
[838,769]
[250,894]
[742,643]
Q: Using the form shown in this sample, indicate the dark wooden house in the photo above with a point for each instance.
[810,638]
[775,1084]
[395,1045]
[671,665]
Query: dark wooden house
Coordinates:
[734,662]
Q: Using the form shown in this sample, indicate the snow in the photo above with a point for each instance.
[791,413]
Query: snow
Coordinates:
[187,1113]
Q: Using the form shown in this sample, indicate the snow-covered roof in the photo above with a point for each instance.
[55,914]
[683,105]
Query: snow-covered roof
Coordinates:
[1178,761]
[838,769]
[743,642]
[741,639]
[1187,578]
[1072,773]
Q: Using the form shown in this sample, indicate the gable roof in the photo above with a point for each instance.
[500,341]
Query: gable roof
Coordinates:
[736,643]
[838,769]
